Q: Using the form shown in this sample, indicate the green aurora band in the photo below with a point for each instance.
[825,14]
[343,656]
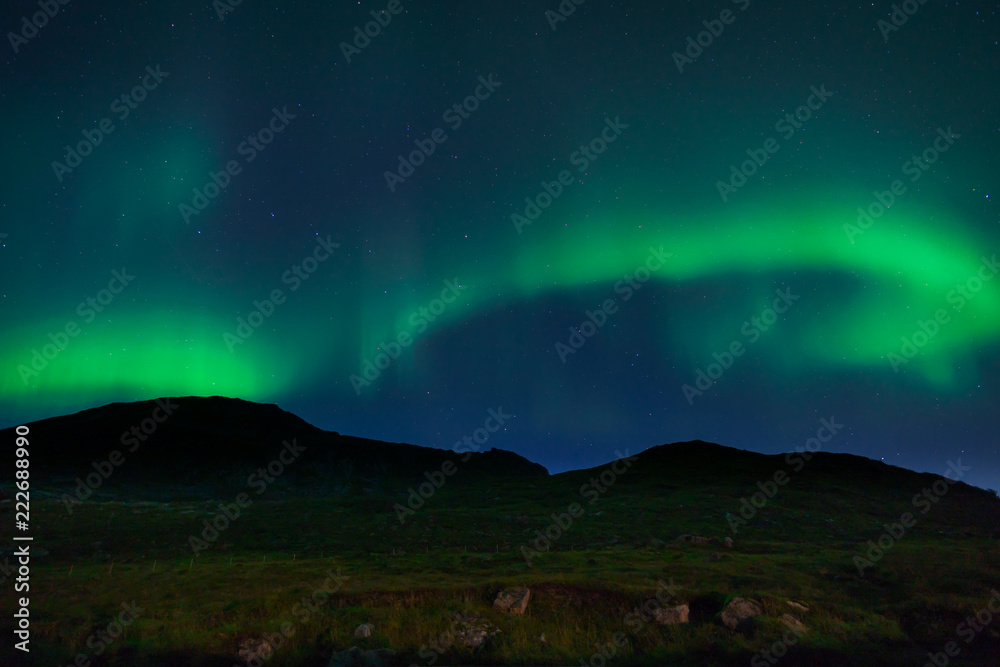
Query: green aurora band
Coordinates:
[904,268]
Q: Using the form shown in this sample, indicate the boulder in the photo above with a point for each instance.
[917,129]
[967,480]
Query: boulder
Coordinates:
[796,606]
[738,614]
[728,542]
[471,631]
[364,630]
[671,615]
[793,624]
[513,600]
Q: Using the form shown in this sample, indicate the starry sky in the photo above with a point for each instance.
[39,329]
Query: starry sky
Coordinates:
[621,224]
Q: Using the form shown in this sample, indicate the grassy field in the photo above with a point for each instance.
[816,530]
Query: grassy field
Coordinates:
[316,568]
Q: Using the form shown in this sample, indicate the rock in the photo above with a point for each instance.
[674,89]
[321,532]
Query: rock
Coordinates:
[793,624]
[739,612]
[671,615]
[693,539]
[472,631]
[513,600]
[728,542]
[255,650]
[364,630]
[355,657]
[472,636]
[796,606]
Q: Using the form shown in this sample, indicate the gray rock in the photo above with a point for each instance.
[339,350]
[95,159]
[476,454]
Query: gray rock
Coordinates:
[796,606]
[513,600]
[364,630]
[471,631]
[472,636]
[740,612]
[671,615]
[793,624]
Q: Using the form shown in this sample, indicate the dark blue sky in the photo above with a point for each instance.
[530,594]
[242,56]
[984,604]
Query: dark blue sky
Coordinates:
[636,225]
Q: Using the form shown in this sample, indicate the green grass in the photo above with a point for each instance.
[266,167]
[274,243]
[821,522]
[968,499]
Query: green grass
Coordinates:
[454,555]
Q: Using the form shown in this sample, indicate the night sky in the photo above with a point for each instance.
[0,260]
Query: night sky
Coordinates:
[613,234]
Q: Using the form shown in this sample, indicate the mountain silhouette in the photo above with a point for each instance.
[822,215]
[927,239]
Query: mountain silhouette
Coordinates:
[203,444]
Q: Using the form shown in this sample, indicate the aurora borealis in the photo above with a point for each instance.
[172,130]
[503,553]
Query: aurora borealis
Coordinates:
[390,233]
